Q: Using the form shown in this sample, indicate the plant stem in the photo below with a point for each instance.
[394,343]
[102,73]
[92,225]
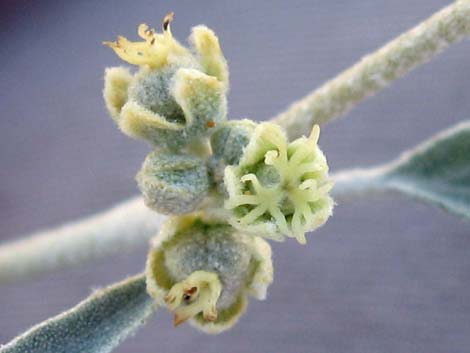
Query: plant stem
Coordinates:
[120,229]
[375,71]
[351,183]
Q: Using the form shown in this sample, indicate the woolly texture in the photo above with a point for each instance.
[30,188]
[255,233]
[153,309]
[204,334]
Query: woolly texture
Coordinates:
[437,171]
[116,83]
[96,325]
[229,141]
[177,96]
[119,229]
[195,242]
[278,188]
[172,183]
[131,224]
[200,266]
[210,56]
[377,70]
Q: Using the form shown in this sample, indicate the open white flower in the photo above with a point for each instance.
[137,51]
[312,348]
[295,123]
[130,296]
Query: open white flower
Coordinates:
[278,188]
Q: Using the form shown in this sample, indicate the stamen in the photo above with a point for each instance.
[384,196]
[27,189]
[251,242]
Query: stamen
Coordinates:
[254,181]
[154,51]
[146,33]
[254,214]
[199,292]
[315,134]
[167,20]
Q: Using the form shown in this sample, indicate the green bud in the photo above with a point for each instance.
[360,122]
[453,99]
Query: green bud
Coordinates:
[172,183]
[177,96]
[202,268]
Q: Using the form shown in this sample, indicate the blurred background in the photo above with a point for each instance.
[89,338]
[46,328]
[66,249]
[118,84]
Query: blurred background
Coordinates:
[381,276]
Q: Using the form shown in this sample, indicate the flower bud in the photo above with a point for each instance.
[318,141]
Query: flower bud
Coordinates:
[203,269]
[172,183]
[177,96]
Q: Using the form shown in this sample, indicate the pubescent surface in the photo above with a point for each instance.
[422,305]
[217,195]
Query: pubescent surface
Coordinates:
[381,276]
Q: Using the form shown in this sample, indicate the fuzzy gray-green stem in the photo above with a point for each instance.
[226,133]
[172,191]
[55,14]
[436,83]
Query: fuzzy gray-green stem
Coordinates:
[377,70]
[352,183]
[121,228]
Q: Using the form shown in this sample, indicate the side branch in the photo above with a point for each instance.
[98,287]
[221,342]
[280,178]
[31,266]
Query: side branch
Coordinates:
[375,71]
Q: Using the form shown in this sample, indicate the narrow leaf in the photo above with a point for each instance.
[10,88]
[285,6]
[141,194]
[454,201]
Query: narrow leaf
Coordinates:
[117,230]
[438,171]
[96,325]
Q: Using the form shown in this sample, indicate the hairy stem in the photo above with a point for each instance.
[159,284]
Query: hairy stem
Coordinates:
[375,71]
[351,183]
[117,230]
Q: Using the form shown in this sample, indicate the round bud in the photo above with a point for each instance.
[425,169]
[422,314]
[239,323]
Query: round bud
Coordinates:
[196,250]
[172,183]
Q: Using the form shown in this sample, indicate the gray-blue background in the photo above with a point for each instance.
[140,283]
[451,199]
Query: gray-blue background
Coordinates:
[382,275]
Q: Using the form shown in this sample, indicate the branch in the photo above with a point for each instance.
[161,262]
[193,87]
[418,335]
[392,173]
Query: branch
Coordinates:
[377,70]
[117,230]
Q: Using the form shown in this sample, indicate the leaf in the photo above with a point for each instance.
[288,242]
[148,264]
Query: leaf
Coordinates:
[122,228]
[437,171]
[96,325]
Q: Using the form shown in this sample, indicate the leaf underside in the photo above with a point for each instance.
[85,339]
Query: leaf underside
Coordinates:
[96,325]
[437,171]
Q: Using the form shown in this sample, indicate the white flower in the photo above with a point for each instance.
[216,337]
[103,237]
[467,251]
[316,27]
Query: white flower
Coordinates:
[278,188]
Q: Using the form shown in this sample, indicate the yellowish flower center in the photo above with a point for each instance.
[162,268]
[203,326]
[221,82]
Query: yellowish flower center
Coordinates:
[156,51]
[199,292]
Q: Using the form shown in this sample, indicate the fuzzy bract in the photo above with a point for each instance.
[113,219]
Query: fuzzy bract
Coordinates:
[230,139]
[173,183]
[192,254]
[278,188]
[227,144]
[178,94]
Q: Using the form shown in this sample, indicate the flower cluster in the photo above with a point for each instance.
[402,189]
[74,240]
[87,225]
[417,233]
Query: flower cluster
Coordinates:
[227,184]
